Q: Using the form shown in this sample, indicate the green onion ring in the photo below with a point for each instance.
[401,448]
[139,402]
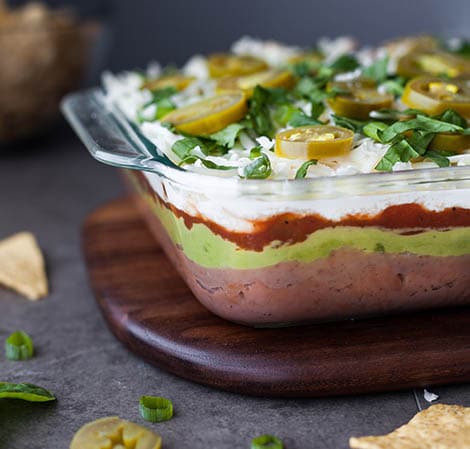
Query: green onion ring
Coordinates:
[266,442]
[155,409]
[19,346]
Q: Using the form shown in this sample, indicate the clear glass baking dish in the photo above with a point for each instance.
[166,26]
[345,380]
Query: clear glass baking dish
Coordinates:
[284,252]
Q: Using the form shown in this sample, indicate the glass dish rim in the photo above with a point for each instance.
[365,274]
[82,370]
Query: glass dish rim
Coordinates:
[108,125]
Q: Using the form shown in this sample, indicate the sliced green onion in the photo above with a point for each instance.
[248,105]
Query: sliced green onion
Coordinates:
[26,392]
[19,346]
[266,442]
[155,409]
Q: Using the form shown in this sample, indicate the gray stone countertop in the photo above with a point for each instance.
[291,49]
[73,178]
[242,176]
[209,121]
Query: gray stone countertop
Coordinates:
[48,189]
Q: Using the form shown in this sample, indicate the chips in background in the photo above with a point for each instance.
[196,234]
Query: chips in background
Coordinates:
[22,266]
[440,426]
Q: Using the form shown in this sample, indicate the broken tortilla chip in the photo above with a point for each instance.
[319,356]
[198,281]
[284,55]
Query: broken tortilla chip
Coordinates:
[22,266]
[439,426]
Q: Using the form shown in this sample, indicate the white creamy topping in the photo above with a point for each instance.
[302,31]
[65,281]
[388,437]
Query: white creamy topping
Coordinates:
[197,67]
[272,52]
[334,48]
[237,213]
[124,91]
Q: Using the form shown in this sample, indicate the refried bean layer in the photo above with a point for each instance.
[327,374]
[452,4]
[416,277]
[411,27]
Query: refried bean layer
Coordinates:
[347,284]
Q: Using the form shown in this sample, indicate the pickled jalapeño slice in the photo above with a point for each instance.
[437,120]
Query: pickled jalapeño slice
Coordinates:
[314,142]
[210,115]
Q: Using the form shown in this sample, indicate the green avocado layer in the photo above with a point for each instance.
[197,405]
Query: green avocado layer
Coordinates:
[210,250]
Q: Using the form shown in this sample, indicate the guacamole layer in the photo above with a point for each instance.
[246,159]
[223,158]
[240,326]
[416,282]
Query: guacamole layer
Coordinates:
[208,249]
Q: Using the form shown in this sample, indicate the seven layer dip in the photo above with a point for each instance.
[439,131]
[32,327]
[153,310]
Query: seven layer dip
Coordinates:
[271,221]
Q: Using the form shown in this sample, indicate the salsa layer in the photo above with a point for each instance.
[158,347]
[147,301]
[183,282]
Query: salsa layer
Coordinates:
[289,228]
[210,245]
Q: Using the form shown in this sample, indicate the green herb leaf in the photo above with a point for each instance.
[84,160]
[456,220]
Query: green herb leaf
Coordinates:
[398,151]
[349,123]
[266,442]
[26,392]
[155,409]
[164,107]
[313,89]
[345,63]
[256,152]
[463,49]
[161,99]
[304,68]
[451,116]
[302,170]
[19,346]
[260,168]
[317,110]
[160,94]
[394,86]
[420,140]
[438,158]
[226,137]
[373,130]
[377,70]
[183,147]
[206,162]
[421,123]
[283,113]
[299,118]
[395,114]
[259,113]
[169,70]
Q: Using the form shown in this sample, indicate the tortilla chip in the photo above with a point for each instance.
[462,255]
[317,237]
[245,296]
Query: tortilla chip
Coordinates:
[439,426]
[22,266]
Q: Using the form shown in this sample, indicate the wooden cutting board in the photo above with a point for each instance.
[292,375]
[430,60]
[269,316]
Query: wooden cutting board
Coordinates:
[149,308]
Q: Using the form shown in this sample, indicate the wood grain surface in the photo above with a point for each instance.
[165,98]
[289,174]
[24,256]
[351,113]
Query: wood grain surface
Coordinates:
[149,309]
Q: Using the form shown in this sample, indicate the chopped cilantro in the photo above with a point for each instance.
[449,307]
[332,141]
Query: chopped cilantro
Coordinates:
[206,162]
[299,118]
[161,99]
[260,168]
[451,116]
[399,151]
[283,113]
[226,137]
[255,152]
[377,71]
[183,147]
[421,123]
[394,86]
[303,169]
[373,130]
[345,63]
[349,123]
[437,158]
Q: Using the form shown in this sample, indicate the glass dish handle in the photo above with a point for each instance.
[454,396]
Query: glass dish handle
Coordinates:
[108,135]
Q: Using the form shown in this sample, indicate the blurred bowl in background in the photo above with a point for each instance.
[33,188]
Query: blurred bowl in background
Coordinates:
[44,53]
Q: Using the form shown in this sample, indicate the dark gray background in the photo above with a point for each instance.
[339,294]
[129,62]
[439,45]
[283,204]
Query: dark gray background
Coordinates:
[173,30]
